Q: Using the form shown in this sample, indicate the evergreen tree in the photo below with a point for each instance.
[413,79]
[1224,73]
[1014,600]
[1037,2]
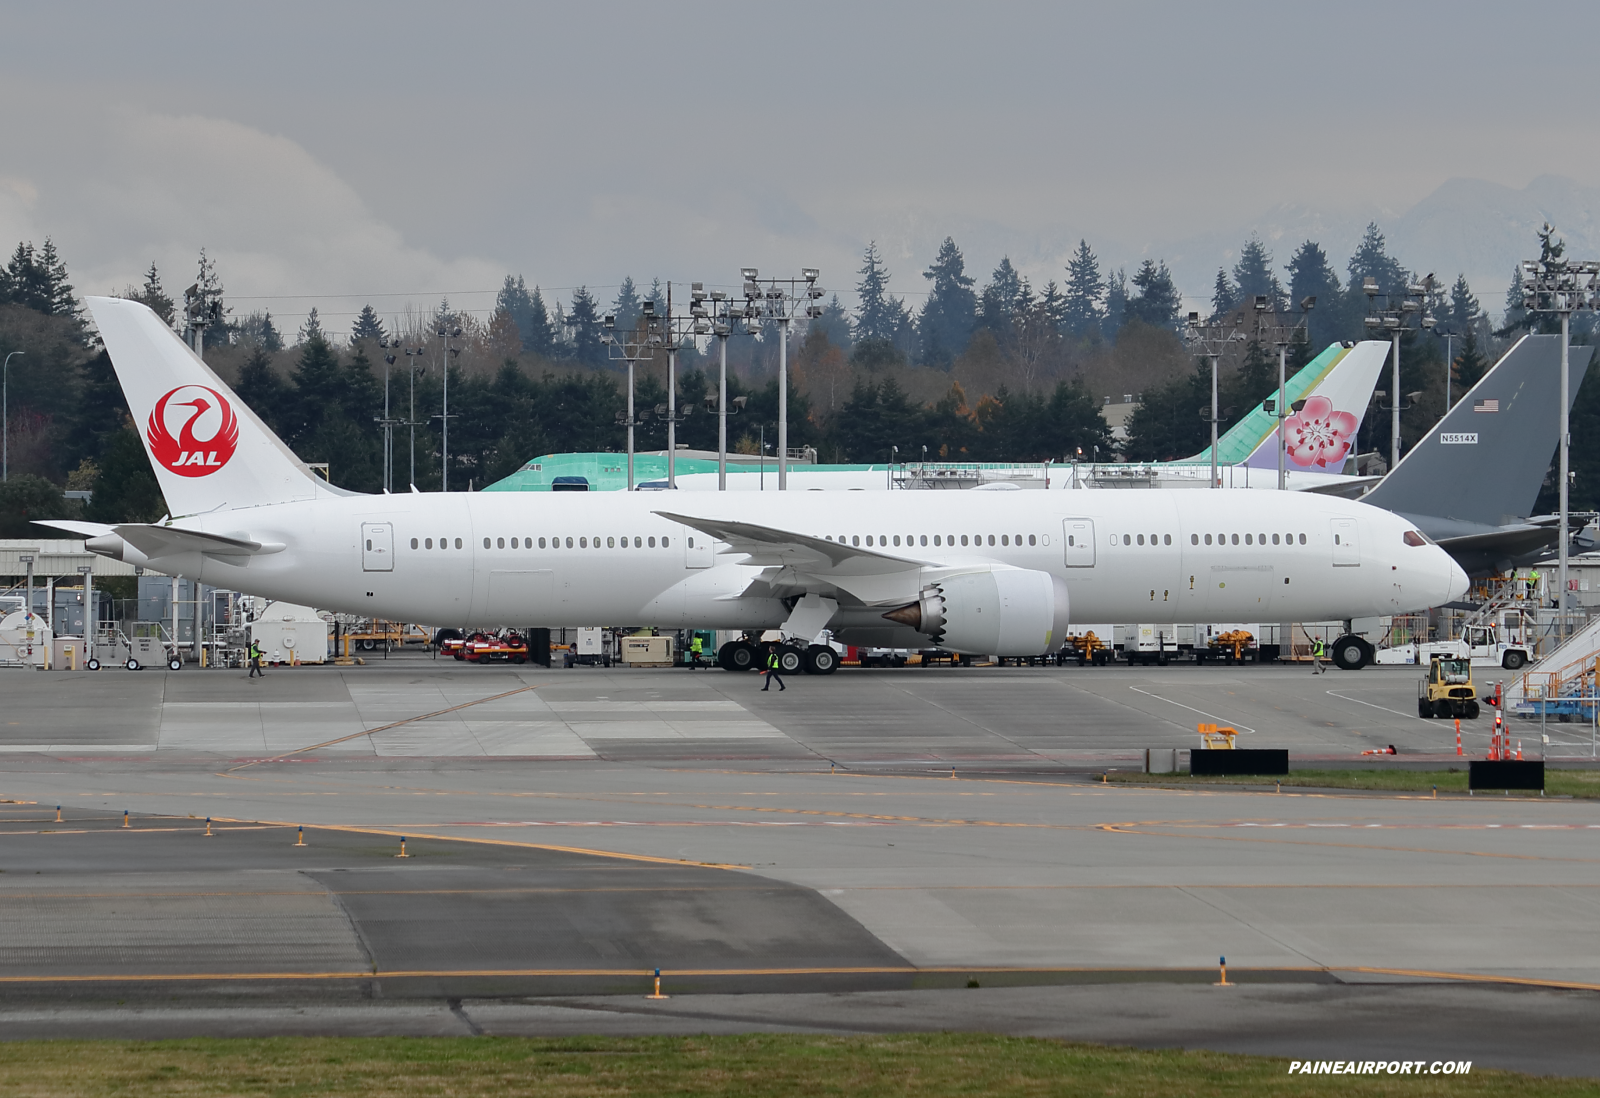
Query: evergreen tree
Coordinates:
[945,324]
[876,418]
[833,323]
[584,324]
[1167,424]
[625,309]
[1054,303]
[1464,309]
[527,312]
[658,296]
[311,330]
[262,389]
[1082,314]
[878,315]
[154,297]
[1516,311]
[1004,301]
[318,391]
[1371,260]
[1254,277]
[1311,275]
[1470,364]
[271,338]
[1223,297]
[1114,316]
[539,336]
[1159,304]
[27,281]
[210,283]
[367,327]
[125,490]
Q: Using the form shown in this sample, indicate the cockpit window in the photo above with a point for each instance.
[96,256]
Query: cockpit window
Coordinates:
[1414,537]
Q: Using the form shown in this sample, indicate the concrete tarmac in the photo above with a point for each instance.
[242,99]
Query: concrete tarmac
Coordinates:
[804,847]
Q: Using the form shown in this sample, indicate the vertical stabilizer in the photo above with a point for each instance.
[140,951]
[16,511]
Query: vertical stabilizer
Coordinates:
[1486,460]
[1245,436]
[209,451]
[1323,433]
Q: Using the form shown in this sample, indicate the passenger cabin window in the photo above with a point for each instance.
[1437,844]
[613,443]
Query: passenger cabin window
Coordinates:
[413,543]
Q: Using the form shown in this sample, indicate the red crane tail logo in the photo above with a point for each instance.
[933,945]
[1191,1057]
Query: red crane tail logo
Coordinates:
[207,431]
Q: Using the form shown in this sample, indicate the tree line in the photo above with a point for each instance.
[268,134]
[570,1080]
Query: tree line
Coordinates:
[1001,371]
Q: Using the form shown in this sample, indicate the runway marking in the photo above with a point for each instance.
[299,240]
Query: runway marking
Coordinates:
[1385,708]
[1192,709]
[1130,828]
[859,970]
[380,728]
[415,834]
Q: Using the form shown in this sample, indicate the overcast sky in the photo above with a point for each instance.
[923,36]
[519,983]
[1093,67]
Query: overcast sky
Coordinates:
[421,149]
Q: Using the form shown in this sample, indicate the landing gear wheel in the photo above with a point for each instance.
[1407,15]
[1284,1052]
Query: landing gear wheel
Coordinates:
[790,660]
[92,665]
[1513,661]
[736,656]
[1351,653]
[1472,711]
[132,665]
[174,665]
[821,660]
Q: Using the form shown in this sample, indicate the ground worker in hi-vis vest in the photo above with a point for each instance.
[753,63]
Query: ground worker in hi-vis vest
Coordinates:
[255,661]
[1317,654]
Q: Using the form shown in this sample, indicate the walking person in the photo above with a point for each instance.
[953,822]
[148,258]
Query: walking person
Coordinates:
[772,670]
[1316,654]
[255,661]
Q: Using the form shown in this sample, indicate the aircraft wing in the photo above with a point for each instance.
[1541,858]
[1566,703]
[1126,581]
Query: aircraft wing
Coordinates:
[72,526]
[799,562]
[769,545]
[1490,550]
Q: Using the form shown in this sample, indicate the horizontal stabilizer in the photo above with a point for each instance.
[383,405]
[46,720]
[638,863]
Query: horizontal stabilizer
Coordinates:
[140,543]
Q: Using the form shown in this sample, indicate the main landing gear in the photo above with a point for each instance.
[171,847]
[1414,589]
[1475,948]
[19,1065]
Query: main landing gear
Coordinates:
[817,659]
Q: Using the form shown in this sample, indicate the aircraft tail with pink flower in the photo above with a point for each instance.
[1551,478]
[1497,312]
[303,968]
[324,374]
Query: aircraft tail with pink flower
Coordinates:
[1323,425]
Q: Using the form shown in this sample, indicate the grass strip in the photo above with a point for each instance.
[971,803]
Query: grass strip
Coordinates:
[1572,783]
[749,1066]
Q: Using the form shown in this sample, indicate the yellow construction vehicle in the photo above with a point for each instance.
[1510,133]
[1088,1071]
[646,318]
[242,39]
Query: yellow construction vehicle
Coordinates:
[1448,691]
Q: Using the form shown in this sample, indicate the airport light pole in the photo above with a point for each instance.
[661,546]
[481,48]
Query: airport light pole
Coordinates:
[5,417]
[1211,340]
[389,356]
[632,347]
[722,315]
[779,300]
[413,364]
[446,332]
[1553,284]
[1394,319]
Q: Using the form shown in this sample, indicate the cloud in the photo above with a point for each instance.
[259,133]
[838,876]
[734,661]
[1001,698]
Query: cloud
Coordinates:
[136,186]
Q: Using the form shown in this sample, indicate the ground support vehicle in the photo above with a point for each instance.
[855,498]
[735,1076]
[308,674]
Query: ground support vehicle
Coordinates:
[1483,645]
[1448,690]
[484,648]
[1233,646]
[1087,647]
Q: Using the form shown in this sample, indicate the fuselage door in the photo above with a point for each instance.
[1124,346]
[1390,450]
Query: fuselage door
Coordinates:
[377,547]
[1346,545]
[1077,542]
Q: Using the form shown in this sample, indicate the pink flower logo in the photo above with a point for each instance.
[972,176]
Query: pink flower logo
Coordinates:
[1318,435]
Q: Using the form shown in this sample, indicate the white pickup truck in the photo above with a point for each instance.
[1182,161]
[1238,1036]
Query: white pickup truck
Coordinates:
[1479,643]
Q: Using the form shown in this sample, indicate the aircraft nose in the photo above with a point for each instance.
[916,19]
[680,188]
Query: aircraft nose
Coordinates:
[1459,584]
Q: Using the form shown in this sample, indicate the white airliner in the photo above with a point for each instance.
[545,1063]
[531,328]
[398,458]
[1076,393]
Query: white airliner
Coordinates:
[978,572]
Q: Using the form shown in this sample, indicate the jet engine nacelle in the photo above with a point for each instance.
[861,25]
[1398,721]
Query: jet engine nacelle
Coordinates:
[1000,612]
